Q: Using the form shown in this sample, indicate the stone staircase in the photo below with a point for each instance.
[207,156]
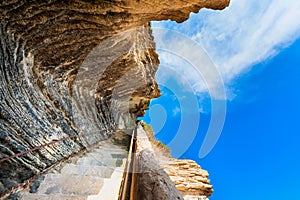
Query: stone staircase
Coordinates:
[95,175]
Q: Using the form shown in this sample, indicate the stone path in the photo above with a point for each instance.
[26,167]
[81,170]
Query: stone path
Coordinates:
[95,175]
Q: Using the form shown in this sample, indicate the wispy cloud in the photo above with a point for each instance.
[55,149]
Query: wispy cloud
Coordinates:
[249,32]
[188,63]
[245,34]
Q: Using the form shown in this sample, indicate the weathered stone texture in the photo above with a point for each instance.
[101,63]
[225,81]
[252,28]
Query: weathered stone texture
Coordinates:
[153,182]
[189,178]
[69,68]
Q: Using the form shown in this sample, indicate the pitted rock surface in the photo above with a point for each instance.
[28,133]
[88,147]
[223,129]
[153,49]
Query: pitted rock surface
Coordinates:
[189,178]
[74,69]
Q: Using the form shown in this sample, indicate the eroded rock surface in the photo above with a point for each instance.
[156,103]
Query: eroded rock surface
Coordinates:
[189,178]
[153,182]
[72,72]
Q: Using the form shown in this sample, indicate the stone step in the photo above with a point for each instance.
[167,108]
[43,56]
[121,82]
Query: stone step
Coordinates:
[106,154]
[100,171]
[111,186]
[111,147]
[104,150]
[31,196]
[97,154]
[94,175]
[118,155]
[70,184]
[91,161]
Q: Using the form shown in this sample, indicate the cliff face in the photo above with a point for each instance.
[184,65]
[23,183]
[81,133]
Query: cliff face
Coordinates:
[153,181]
[188,177]
[72,72]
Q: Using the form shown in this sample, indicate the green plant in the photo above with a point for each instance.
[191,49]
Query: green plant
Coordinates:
[150,133]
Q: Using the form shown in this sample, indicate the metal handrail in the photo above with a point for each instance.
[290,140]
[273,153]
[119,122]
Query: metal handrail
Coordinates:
[127,183]
[30,180]
[130,163]
[45,145]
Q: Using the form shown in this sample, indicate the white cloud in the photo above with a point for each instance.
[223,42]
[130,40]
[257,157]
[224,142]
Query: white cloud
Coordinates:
[245,34]
[248,32]
[186,60]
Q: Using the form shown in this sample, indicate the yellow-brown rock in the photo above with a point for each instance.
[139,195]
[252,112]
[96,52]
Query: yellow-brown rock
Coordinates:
[189,178]
[74,69]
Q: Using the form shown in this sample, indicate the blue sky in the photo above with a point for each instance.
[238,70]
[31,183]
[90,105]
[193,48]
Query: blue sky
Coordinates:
[254,47]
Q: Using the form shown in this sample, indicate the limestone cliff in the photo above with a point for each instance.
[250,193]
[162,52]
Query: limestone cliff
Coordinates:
[153,181]
[189,178]
[72,72]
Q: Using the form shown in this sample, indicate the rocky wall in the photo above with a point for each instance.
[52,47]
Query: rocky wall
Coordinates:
[72,72]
